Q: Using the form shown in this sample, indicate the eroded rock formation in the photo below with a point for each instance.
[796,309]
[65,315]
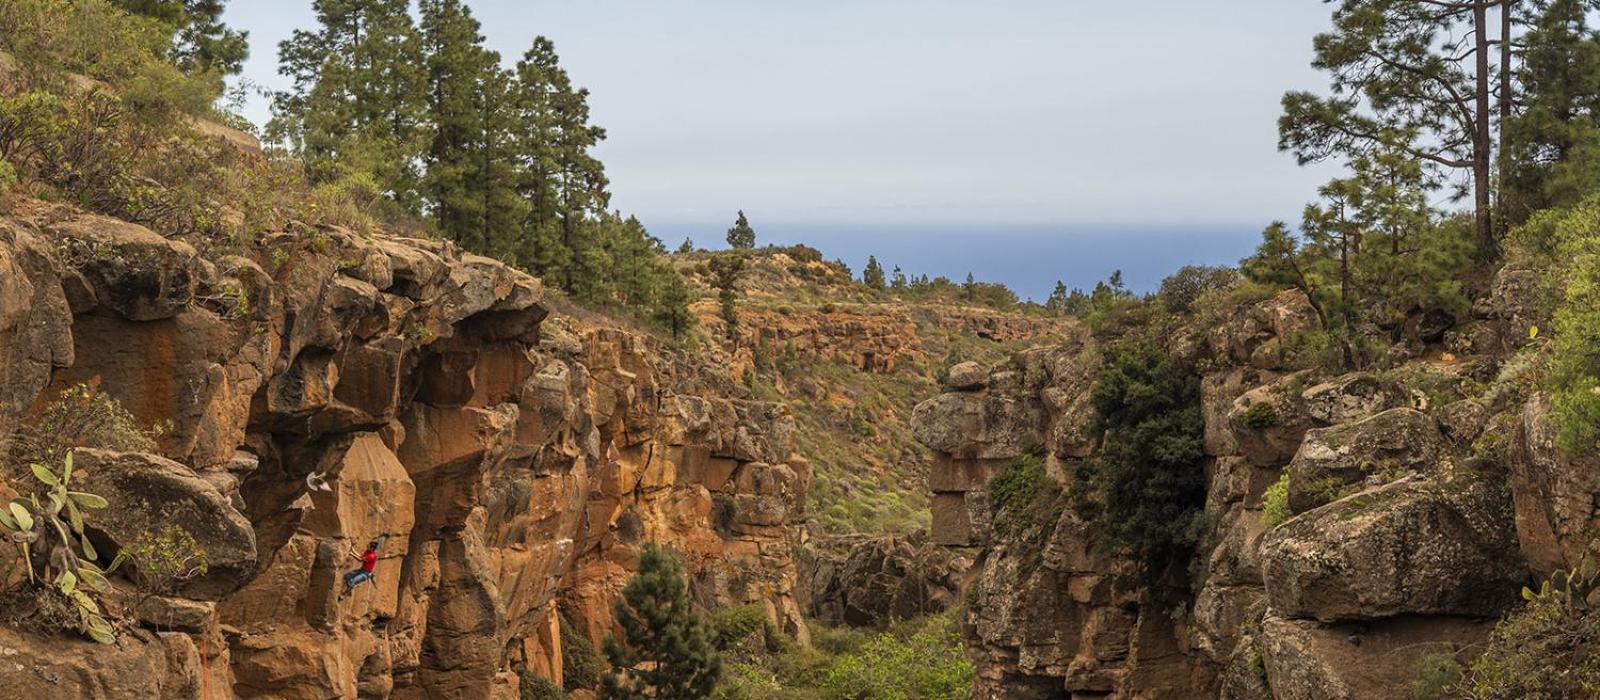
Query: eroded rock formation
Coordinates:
[326,388]
[1411,526]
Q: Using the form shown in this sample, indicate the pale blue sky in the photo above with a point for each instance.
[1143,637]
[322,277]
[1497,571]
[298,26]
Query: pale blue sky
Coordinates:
[953,116]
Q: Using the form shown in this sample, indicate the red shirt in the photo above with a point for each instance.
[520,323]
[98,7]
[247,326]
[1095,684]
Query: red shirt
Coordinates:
[369,559]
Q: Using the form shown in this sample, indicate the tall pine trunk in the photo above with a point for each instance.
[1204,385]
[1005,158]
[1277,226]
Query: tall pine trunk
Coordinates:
[1481,142]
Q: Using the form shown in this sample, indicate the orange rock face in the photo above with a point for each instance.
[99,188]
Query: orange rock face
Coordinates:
[339,388]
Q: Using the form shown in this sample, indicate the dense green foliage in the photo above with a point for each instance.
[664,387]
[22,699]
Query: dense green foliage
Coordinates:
[1180,290]
[1147,484]
[1371,252]
[201,43]
[914,660]
[666,650]
[1566,243]
[498,159]
[1551,144]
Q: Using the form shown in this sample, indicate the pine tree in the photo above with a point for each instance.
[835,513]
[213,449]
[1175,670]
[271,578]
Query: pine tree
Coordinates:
[667,649]
[725,271]
[969,289]
[357,107]
[1551,154]
[741,236]
[201,42]
[563,181]
[467,185]
[673,310]
[1057,301]
[872,275]
[898,280]
[687,246]
[1410,76]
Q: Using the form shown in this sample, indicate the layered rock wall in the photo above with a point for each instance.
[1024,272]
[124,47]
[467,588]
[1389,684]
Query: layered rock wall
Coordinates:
[328,388]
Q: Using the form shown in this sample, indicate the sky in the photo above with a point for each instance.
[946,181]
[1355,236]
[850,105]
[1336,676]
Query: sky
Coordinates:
[1022,140]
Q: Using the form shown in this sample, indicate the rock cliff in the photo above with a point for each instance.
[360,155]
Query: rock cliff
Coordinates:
[1418,500]
[325,388]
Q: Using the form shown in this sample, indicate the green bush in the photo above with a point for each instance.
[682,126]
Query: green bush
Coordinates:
[1275,502]
[733,625]
[1435,674]
[1259,416]
[926,664]
[1567,242]
[1146,492]
[80,416]
[1180,290]
[1550,648]
[537,687]
[914,660]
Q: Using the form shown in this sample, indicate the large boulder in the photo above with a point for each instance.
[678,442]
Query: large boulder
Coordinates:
[861,580]
[967,376]
[139,665]
[130,269]
[1269,422]
[1411,547]
[148,493]
[1335,462]
[972,425]
[1305,660]
[1555,493]
[1257,334]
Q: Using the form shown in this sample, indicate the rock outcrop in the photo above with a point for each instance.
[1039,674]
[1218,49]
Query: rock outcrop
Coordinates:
[327,388]
[1410,532]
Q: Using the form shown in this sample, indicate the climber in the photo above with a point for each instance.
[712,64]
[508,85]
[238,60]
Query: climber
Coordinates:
[369,561]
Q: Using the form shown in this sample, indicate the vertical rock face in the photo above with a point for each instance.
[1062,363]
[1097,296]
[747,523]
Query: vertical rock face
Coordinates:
[335,389]
[1399,545]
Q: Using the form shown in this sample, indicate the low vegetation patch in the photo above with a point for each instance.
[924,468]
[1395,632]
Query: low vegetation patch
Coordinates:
[1549,648]
[1275,502]
[914,660]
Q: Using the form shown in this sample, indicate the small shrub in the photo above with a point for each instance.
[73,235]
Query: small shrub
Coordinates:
[734,625]
[80,417]
[724,510]
[1260,416]
[163,561]
[536,687]
[1435,674]
[1275,502]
